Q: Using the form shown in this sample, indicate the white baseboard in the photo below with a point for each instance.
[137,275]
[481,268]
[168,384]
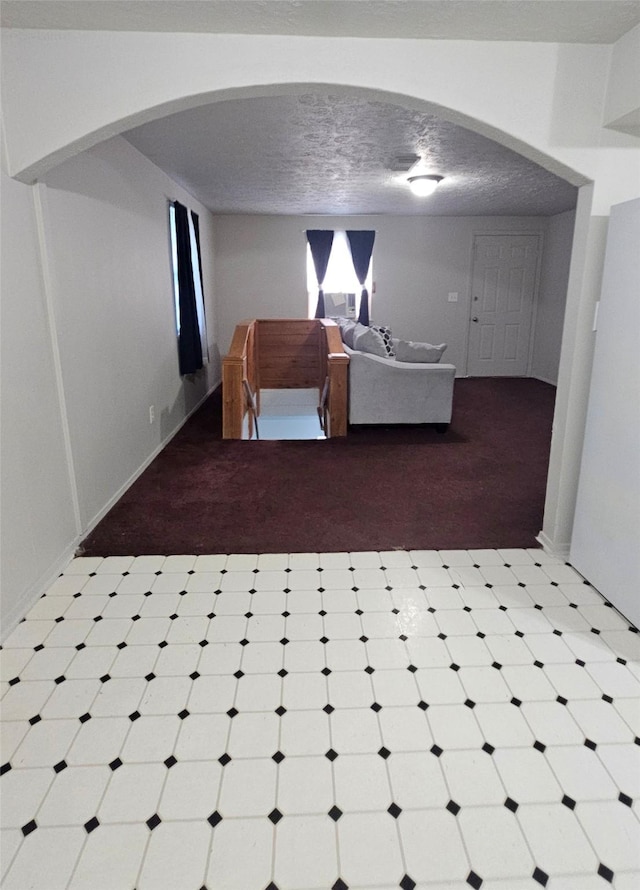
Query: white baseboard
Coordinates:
[145,464]
[560,550]
[33,593]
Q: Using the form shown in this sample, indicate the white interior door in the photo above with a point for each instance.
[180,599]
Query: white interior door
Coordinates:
[504,279]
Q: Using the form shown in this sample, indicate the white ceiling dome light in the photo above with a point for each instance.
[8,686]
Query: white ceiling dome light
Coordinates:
[424,184]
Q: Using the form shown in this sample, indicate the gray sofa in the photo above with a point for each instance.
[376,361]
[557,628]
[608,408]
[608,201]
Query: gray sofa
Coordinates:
[384,390]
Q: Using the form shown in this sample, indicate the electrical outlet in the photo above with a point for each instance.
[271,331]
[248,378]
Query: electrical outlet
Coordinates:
[152,413]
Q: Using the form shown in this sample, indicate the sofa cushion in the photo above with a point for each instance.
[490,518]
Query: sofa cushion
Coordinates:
[369,340]
[408,351]
[385,333]
[347,330]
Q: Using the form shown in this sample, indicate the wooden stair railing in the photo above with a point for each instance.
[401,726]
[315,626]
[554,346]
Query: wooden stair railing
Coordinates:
[284,353]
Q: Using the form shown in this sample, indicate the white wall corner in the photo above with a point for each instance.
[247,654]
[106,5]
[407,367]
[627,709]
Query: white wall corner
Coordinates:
[622,102]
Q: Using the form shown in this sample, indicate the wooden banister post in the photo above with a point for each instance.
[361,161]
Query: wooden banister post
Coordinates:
[234,372]
[233,398]
[337,413]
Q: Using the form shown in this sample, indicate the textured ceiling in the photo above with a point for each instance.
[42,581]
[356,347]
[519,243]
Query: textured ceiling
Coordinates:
[561,21]
[319,153]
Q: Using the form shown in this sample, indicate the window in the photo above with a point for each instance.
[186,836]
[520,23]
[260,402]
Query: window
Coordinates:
[190,320]
[340,279]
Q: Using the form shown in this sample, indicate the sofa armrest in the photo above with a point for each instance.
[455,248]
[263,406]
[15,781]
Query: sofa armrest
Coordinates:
[384,390]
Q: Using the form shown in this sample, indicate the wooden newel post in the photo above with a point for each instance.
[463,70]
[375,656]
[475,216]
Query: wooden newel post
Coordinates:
[233,398]
[337,407]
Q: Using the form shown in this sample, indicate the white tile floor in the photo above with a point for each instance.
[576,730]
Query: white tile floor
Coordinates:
[366,720]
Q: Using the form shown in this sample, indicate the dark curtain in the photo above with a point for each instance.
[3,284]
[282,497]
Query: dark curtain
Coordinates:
[320,241]
[361,244]
[196,228]
[189,345]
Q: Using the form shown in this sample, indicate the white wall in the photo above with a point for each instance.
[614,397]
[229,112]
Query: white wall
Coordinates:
[417,261]
[622,106]
[38,521]
[552,296]
[543,99]
[109,294]
[605,544]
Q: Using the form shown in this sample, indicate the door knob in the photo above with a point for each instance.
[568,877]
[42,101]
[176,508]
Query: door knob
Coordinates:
[475,318]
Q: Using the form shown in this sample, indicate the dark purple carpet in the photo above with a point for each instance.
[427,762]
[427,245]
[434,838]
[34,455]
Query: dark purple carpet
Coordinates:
[482,484]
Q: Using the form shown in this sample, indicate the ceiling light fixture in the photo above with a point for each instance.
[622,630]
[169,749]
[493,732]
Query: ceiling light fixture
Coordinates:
[424,184]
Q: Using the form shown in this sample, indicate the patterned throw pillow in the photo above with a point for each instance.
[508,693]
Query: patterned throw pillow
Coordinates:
[385,333]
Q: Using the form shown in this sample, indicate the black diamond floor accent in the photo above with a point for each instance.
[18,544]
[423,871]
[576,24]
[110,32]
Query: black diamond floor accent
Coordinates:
[282,672]
[214,819]
[394,810]
[369,669]
[91,825]
[470,704]
[511,804]
[423,705]
[331,754]
[540,876]
[407,883]
[625,799]
[376,707]
[36,719]
[134,716]
[516,702]
[170,761]
[605,873]
[153,822]
[474,880]
[340,885]
[58,767]
[115,764]
[568,802]
[5,768]
[84,717]
[278,757]
[589,744]
[232,713]
[335,813]
[29,827]
[183,714]
[275,816]
[487,748]
[384,752]
[453,807]
[436,749]
[224,759]
[327,671]
[280,711]
[412,668]
[328,709]
[539,746]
